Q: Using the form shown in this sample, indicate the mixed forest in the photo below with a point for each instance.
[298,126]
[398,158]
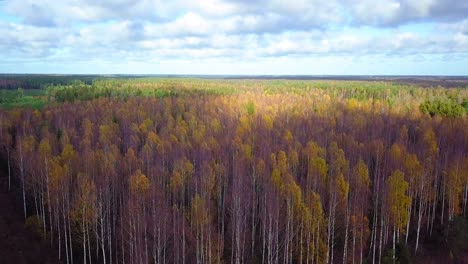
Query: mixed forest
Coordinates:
[154,170]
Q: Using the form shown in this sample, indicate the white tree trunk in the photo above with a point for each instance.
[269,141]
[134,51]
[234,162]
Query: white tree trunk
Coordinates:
[393,253]
[345,251]
[419,226]
[9,168]
[22,178]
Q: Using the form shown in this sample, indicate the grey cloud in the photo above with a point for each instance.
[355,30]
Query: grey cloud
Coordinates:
[28,41]
[275,16]
[395,13]
[37,15]
[450,10]
[362,12]
[268,16]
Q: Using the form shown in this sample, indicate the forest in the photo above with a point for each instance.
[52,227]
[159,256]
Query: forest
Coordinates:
[189,170]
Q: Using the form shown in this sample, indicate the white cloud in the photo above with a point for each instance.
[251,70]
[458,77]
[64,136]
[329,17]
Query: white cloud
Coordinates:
[142,30]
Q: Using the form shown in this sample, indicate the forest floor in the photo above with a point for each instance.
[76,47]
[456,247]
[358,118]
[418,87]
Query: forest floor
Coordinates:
[17,245]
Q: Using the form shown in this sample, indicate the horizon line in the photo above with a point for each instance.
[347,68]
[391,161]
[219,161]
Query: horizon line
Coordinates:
[236,75]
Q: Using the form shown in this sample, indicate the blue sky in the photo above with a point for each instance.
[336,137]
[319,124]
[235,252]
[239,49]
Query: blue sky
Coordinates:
[356,37]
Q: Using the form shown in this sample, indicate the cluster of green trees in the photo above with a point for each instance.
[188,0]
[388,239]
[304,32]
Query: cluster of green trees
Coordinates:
[447,107]
[21,98]
[259,174]
[143,87]
[11,96]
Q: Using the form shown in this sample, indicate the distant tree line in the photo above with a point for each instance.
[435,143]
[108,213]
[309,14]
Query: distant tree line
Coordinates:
[33,81]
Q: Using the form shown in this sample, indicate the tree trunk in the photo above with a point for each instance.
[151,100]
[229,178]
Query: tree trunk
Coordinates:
[22,179]
[419,225]
[354,241]
[102,237]
[49,206]
[9,168]
[382,225]
[465,198]
[84,236]
[408,223]
[345,251]
[65,229]
[393,252]
[443,206]
[69,233]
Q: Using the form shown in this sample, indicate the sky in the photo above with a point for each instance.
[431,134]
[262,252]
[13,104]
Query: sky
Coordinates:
[251,37]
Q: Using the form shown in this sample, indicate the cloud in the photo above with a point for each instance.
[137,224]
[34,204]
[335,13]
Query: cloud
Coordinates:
[461,27]
[395,13]
[283,15]
[28,41]
[119,40]
[156,30]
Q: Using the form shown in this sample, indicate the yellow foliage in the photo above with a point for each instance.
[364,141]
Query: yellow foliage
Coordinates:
[456,181]
[57,174]
[145,126]
[153,139]
[352,104]
[268,122]
[44,148]
[247,151]
[199,211]
[260,167]
[338,163]
[139,183]
[315,223]
[295,194]
[288,136]
[276,178]
[314,150]
[36,114]
[105,134]
[68,153]
[84,208]
[343,187]
[361,172]
[318,166]
[293,159]
[183,170]
[176,181]
[398,200]
[413,168]
[199,133]
[273,159]
[430,142]
[282,162]
[396,153]
[215,125]
[28,144]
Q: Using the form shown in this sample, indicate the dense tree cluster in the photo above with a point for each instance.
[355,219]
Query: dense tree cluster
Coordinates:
[11,96]
[447,108]
[39,81]
[262,175]
[21,98]
[142,87]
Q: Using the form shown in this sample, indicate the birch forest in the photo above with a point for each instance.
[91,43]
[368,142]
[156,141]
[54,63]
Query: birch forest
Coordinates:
[152,170]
